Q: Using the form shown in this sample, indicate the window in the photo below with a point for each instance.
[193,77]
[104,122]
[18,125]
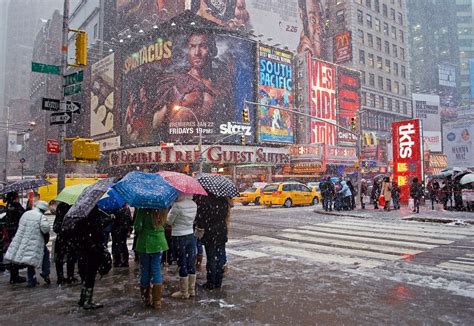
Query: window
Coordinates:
[392,14]
[358,1]
[371,79]
[397,105]
[395,50]
[394,32]
[370,57]
[377,5]
[360,17]
[377,24]
[402,36]
[395,69]
[402,53]
[403,71]
[387,47]
[387,66]
[340,16]
[405,107]
[400,3]
[396,87]
[385,29]
[364,98]
[362,74]
[95,31]
[379,63]
[372,100]
[368,3]
[360,34]
[380,82]
[362,57]
[404,89]
[389,85]
[369,20]
[370,40]
[379,43]
[381,101]
[385,10]
[389,104]
[400,18]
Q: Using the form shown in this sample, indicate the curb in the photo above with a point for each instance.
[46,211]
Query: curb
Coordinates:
[337,214]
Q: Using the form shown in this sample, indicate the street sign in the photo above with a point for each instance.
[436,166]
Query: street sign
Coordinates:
[60,118]
[22,160]
[50,104]
[45,69]
[73,89]
[74,78]
[52,146]
[74,107]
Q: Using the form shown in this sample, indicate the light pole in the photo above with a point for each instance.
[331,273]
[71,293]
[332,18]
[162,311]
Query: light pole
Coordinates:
[178,108]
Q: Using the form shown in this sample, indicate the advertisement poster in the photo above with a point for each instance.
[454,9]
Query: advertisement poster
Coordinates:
[426,107]
[406,139]
[102,96]
[348,100]
[134,12]
[471,76]
[447,75]
[458,143]
[275,87]
[176,87]
[322,92]
[343,47]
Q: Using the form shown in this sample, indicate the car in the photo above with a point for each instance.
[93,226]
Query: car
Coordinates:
[251,195]
[314,186]
[288,194]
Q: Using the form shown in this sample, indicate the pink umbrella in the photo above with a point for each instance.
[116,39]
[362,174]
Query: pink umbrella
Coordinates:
[183,183]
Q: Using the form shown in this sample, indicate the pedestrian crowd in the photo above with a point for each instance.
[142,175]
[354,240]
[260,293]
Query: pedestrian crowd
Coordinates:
[194,222]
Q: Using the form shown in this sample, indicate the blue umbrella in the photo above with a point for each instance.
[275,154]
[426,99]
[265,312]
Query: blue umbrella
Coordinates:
[146,190]
[111,201]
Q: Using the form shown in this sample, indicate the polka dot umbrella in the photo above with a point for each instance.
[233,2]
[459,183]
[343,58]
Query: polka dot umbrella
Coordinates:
[217,185]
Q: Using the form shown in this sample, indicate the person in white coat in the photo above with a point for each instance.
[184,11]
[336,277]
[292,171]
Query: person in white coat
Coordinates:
[27,246]
[181,218]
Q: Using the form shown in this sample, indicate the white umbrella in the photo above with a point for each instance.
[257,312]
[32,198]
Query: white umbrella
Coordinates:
[468,178]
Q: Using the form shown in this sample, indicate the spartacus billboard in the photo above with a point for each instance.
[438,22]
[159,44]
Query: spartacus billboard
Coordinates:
[178,86]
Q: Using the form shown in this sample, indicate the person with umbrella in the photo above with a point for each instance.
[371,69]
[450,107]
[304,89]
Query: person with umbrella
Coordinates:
[416,191]
[121,228]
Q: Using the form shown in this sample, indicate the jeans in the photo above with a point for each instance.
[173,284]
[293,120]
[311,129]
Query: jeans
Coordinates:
[119,247]
[362,204]
[31,273]
[216,259]
[185,248]
[199,247]
[327,203]
[150,269]
[396,202]
[46,264]
[417,204]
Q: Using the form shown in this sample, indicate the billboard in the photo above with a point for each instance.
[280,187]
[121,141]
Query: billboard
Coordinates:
[406,136]
[102,96]
[343,47]
[178,86]
[322,94]
[426,107]
[457,143]
[447,75]
[348,101]
[471,76]
[275,87]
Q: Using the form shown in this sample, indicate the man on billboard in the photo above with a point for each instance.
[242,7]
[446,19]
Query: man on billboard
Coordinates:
[230,13]
[312,35]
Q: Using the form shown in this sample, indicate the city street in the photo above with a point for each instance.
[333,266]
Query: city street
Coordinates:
[293,266]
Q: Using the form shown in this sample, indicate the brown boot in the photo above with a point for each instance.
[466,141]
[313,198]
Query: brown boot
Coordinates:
[198,262]
[156,293]
[145,295]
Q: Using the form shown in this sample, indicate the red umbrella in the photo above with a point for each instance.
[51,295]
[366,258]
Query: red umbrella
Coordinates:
[183,183]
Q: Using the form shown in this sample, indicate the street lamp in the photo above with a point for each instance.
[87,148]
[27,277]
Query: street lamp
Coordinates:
[179,108]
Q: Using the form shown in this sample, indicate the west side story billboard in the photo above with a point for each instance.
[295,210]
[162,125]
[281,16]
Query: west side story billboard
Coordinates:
[275,88]
[426,107]
[166,77]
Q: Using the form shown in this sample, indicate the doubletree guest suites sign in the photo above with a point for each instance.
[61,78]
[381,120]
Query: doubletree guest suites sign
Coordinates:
[213,154]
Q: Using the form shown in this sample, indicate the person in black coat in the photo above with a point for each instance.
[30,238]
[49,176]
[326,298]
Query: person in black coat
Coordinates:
[14,211]
[121,228]
[63,248]
[211,228]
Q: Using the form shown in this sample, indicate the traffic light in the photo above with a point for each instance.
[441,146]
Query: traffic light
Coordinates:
[354,123]
[81,48]
[85,150]
[245,115]
[242,139]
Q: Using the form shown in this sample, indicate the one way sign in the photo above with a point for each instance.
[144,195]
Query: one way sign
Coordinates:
[74,107]
[60,118]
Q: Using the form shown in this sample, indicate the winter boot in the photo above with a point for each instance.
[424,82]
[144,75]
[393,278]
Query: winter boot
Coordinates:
[157,290]
[145,295]
[192,285]
[82,300]
[199,262]
[89,304]
[183,292]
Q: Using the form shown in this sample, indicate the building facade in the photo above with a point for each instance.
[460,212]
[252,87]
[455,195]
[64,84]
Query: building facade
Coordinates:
[465,26]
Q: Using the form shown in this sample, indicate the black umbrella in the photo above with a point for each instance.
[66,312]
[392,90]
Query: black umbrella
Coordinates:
[86,202]
[217,185]
[24,185]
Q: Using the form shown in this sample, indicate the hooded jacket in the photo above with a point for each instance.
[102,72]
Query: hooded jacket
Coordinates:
[211,216]
[181,216]
[27,246]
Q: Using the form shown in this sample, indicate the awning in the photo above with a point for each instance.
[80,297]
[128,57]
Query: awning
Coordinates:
[437,163]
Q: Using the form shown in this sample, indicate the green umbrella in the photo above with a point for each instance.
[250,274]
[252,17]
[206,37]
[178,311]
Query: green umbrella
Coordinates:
[70,194]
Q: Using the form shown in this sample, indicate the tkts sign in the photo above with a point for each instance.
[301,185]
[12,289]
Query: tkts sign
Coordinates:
[406,154]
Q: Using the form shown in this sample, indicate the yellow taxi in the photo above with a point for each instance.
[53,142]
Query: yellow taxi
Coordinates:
[251,195]
[288,194]
[314,186]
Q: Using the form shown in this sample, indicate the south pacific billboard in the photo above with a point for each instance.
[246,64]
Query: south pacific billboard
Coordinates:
[175,87]
[275,88]
[406,140]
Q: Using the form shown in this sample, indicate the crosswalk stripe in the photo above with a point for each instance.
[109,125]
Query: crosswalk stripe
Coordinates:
[465,258]
[442,229]
[352,244]
[246,253]
[324,258]
[361,239]
[377,229]
[350,252]
[460,267]
[462,262]
[470,255]
[328,228]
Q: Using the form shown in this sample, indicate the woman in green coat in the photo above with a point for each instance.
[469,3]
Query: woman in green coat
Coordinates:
[151,243]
